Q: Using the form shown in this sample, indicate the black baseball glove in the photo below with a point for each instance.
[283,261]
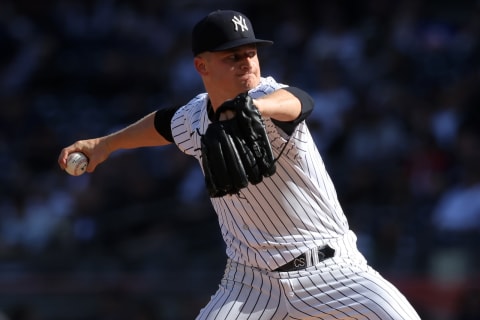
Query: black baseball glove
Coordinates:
[236,151]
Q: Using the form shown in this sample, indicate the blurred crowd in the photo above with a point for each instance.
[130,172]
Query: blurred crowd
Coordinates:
[396,89]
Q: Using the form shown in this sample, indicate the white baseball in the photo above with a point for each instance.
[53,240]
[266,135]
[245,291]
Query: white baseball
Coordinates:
[76,163]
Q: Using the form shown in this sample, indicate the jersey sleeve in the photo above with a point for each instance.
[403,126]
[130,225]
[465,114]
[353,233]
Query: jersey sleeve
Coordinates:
[188,123]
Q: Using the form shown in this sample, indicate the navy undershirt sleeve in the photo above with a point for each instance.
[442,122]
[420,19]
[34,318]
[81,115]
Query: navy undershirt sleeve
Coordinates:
[162,121]
[307,107]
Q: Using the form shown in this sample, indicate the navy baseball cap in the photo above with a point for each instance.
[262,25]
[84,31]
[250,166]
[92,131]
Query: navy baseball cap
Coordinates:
[223,30]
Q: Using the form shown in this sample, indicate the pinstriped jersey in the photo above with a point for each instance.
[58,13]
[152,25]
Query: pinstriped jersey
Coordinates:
[268,224]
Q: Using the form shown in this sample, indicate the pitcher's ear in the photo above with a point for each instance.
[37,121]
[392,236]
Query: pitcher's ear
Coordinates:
[200,65]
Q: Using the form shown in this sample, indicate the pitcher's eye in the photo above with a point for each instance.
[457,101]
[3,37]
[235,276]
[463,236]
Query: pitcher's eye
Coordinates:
[233,57]
[240,55]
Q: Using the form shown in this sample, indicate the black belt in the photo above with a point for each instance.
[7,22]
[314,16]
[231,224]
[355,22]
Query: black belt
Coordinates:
[306,260]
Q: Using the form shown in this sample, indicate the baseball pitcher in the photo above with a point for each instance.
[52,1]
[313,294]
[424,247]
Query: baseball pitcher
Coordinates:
[291,254]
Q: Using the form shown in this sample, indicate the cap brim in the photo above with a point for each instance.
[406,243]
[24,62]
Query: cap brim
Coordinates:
[242,42]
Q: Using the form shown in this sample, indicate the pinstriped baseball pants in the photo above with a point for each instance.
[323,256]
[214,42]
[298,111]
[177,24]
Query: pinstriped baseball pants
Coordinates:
[338,288]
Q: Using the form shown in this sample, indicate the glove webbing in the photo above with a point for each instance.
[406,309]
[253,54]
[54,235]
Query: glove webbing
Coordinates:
[274,160]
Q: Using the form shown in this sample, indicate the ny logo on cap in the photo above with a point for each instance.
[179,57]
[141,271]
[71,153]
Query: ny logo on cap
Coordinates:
[240,22]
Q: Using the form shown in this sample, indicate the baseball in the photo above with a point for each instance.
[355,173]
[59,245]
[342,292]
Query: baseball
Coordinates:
[76,163]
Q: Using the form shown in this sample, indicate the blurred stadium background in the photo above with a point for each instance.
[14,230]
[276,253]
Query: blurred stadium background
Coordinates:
[397,120]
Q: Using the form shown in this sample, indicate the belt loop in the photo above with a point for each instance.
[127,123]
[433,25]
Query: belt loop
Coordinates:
[308,258]
[315,259]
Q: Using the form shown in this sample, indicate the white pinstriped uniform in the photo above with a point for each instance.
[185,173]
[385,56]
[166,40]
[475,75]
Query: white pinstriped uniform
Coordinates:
[271,223]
